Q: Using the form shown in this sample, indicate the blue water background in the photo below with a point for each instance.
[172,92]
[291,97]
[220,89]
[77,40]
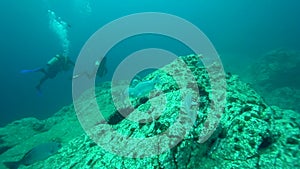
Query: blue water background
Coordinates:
[240,30]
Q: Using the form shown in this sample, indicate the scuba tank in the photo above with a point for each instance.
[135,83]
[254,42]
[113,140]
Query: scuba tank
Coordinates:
[58,63]
[53,60]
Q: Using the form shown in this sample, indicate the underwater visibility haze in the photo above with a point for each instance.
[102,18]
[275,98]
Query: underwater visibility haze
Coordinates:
[239,109]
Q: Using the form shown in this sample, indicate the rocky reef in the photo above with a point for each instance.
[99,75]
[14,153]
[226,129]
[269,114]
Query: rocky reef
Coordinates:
[275,75]
[248,133]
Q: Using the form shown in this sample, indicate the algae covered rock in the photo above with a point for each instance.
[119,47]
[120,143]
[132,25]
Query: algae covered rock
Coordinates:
[168,127]
[21,136]
[14,134]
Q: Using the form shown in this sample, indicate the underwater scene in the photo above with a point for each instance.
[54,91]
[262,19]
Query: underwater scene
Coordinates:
[198,84]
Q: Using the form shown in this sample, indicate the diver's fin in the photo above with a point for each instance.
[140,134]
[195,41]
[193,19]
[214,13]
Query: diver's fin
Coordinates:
[12,164]
[39,91]
[30,70]
[25,71]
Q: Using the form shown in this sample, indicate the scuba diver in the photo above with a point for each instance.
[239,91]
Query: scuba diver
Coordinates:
[57,64]
[100,70]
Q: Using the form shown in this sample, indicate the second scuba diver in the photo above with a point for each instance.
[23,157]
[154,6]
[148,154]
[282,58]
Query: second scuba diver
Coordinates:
[100,70]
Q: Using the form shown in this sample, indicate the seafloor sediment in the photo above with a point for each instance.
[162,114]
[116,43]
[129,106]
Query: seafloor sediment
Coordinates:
[250,134]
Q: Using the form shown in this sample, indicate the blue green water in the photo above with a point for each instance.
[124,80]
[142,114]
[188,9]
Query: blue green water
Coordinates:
[240,30]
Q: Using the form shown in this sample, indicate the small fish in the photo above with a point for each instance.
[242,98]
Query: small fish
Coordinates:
[187,106]
[143,87]
[38,153]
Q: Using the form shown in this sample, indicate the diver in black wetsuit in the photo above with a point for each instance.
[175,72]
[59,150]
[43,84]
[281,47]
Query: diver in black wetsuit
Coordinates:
[57,64]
